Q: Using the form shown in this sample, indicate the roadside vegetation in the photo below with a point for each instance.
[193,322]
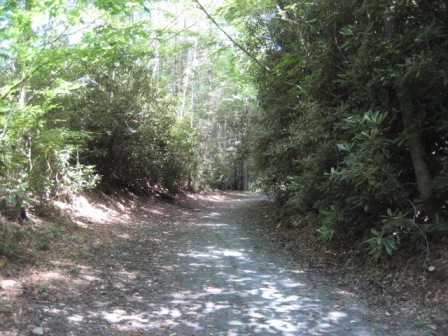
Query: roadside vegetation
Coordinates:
[336,109]
[353,117]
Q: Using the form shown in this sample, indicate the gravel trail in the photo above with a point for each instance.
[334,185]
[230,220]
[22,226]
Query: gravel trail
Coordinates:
[215,273]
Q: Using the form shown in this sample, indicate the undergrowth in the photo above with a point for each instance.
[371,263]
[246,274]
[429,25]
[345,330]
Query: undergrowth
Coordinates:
[16,238]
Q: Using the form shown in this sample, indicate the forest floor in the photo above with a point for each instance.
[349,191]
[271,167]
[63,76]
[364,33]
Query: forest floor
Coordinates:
[205,265]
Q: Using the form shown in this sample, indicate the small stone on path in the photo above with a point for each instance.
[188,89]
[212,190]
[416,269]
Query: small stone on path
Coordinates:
[38,331]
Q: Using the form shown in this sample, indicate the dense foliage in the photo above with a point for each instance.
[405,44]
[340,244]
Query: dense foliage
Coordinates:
[336,106]
[354,111]
[123,93]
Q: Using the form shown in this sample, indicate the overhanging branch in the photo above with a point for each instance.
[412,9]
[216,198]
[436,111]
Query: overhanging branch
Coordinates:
[231,39]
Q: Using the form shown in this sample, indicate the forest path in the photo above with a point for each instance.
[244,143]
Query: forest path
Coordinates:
[214,272]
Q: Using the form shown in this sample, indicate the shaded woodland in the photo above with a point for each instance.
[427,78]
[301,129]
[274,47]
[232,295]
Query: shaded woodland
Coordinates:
[333,107]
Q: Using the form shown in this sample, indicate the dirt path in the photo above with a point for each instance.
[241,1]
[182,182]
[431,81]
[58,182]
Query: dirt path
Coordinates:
[205,271]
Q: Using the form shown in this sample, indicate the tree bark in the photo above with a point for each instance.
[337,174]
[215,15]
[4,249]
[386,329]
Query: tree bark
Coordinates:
[416,149]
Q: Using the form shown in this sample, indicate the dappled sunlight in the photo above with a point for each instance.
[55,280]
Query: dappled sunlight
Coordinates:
[95,208]
[87,210]
[90,278]
[215,197]
[75,318]
[209,280]
[212,215]
[53,276]
[235,294]
[10,288]
[119,315]
[218,225]
[242,302]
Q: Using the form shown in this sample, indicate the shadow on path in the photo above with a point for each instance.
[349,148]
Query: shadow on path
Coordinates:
[212,276]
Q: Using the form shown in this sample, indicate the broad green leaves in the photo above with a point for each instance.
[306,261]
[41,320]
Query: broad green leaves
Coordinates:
[331,131]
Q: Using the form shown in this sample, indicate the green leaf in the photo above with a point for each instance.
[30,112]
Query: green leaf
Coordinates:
[346,31]
[389,250]
[375,232]
[391,243]
[342,147]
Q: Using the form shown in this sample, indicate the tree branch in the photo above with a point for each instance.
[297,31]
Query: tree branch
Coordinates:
[231,39]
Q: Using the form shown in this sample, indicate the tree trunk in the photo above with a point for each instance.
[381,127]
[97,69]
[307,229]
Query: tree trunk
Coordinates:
[416,149]
[245,184]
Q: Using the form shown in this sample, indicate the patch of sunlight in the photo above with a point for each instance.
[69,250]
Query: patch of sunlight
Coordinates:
[252,291]
[185,295]
[100,304]
[6,284]
[287,309]
[282,325]
[344,292]
[168,268]
[211,307]
[10,287]
[129,275]
[291,298]
[270,294]
[214,290]
[53,310]
[236,323]
[137,297]
[84,208]
[175,313]
[212,215]
[293,284]
[255,314]
[229,253]
[191,324]
[119,315]
[324,325]
[297,271]
[75,318]
[198,255]
[240,279]
[336,315]
[90,278]
[210,225]
[196,265]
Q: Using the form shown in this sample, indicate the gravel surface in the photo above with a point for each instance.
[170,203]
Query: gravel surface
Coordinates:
[209,270]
